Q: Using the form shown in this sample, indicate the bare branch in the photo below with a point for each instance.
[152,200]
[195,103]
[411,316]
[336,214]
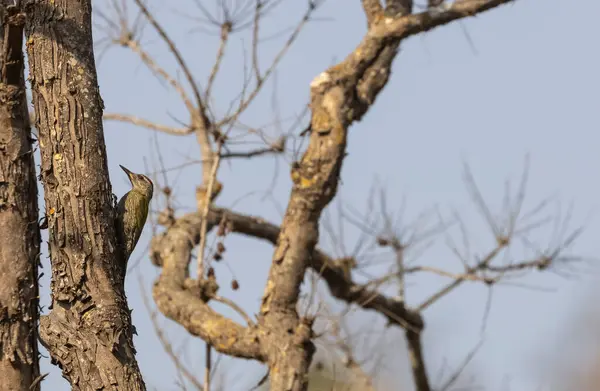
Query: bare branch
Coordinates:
[276,147]
[417,361]
[225,31]
[136,47]
[184,300]
[446,386]
[255,29]
[166,344]
[337,280]
[373,10]
[208,198]
[235,307]
[450,287]
[406,26]
[180,61]
[342,341]
[245,102]
[147,124]
[207,369]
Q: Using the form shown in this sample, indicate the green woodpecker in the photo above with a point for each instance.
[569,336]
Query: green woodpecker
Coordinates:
[132,211]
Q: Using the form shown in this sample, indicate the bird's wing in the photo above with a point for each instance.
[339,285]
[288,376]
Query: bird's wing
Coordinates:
[135,206]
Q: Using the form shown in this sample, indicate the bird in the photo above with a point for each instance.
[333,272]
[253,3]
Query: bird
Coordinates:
[132,211]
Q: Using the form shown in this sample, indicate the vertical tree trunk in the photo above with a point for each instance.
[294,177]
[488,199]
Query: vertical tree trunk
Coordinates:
[19,230]
[88,332]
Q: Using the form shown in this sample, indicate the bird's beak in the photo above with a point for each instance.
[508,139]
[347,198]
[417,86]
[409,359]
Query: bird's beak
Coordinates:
[129,173]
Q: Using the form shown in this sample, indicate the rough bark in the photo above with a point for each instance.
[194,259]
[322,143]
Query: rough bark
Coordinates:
[88,332]
[19,230]
[339,282]
[186,301]
[339,97]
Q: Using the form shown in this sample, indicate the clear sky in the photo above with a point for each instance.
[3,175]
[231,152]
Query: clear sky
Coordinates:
[530,85]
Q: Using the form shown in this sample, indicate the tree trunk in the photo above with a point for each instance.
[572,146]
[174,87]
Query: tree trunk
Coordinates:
[19,230]
[88,332]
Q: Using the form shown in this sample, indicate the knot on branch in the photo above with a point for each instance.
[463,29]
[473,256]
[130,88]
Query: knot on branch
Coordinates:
[202,196]
[13,16]
[204,289]
[303,333]
[155,248]
[166,217]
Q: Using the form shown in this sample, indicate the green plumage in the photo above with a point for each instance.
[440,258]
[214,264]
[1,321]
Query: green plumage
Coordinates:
[132,211]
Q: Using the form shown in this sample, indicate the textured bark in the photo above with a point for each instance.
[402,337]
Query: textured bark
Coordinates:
[185,301]
[339,282]
[340,96]
[88,332]
[19,230]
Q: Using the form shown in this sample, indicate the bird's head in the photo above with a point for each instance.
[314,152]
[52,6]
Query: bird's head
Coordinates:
[140,182]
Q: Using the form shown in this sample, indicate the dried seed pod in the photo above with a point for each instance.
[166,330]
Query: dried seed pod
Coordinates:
[383,242]
[221,231]
[211,272]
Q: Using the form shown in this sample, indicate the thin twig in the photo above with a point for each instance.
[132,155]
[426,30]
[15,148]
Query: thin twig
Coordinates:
[206,206]
[244,103]
[235,307]
[450,287]
[163,340]
[225,31]
[154,67]
[207,367]
[255,66]
[147,124]
[179,58]
[462,367]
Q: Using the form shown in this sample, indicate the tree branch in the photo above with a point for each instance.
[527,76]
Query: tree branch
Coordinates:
[148,124]
[373,10]
[19,230]
[417,361]
[185,301]
[339,283]
[414,24]
[89,312]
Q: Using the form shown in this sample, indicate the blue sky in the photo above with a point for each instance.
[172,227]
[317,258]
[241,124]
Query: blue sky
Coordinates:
[530,87]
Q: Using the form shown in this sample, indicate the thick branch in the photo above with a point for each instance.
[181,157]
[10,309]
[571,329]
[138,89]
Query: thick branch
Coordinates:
[172,250]
[19,231]
[373,10]
[340,283]
[185,301]
[89,313]
[417,362]
[339,97]
[418,23]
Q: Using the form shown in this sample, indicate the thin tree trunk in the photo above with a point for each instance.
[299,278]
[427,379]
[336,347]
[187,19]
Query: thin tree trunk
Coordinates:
[19,230]
[89,313]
